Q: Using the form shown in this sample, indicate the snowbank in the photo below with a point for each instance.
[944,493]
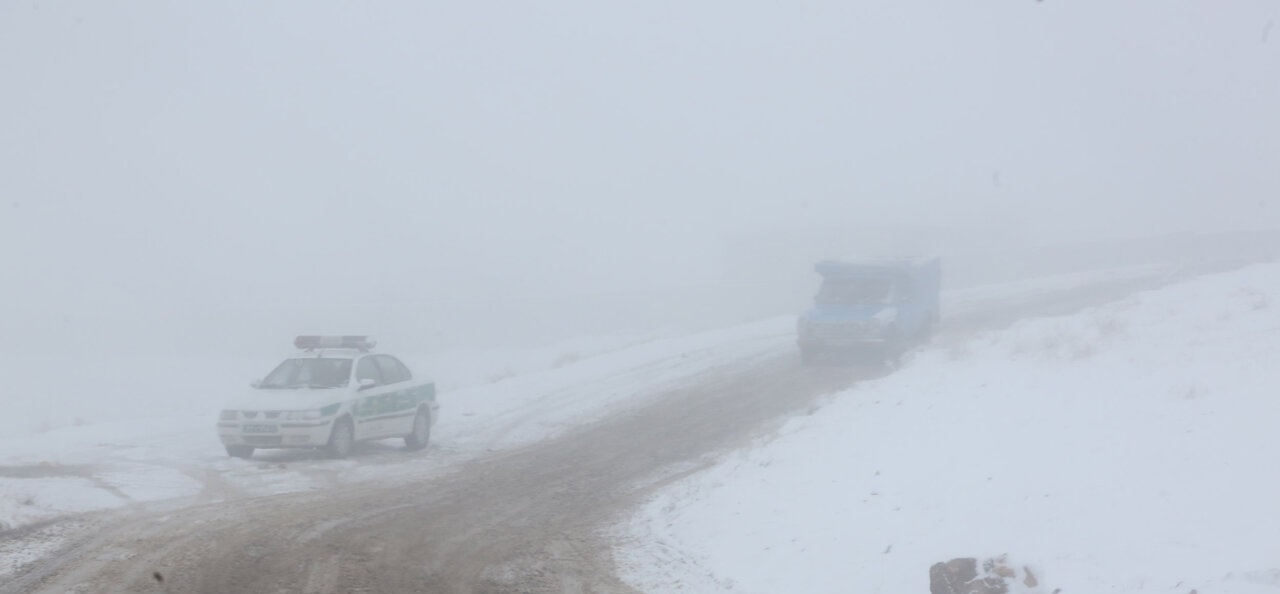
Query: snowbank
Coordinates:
[1129,447]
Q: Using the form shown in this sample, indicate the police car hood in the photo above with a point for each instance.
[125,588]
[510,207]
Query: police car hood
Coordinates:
[285,399]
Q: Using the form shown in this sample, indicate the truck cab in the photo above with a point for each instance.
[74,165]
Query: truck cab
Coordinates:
[876,307]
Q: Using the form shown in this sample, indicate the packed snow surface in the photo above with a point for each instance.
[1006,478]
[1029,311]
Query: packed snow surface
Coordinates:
[114,431]
[1127,448]
[96,466]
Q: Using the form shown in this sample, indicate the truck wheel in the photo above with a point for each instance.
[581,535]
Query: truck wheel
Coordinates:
[421,431]
[930,329]
[893,349]
[341,440]
[240,451]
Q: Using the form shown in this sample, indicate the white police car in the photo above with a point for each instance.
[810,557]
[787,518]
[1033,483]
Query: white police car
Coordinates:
[333,394]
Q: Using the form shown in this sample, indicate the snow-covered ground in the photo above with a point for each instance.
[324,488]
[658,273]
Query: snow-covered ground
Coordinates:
[1130,447]
[94,466]
[147,433]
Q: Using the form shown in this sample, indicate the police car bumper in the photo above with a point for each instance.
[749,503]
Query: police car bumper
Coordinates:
[284,434]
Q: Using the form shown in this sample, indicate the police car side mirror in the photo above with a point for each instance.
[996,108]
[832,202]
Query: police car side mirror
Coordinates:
[367,383]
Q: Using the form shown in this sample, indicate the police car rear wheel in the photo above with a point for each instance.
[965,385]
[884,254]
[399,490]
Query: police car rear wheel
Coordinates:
[421,431]
[239,451]
[341,440]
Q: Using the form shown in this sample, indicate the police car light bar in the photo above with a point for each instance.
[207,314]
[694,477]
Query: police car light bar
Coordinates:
[311,343]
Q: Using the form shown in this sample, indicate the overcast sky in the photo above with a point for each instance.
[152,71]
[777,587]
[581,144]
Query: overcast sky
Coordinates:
[251,152]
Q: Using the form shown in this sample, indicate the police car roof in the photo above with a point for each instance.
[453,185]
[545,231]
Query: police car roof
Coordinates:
[330,353]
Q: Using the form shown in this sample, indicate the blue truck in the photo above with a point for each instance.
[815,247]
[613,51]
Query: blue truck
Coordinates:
[877,308]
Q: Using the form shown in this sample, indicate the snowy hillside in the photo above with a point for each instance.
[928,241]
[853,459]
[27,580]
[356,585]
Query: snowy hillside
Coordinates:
[1127,448]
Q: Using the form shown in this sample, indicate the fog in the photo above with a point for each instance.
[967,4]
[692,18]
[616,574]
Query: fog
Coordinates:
[590,226]
[222,175]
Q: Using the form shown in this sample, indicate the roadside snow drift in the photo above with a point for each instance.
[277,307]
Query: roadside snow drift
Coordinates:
[1128,448]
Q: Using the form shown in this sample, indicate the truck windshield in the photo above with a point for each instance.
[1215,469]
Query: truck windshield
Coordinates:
[857,291]
[315,372]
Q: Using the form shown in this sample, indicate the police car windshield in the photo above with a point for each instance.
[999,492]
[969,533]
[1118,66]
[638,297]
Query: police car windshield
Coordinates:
[313,372]
[857,291]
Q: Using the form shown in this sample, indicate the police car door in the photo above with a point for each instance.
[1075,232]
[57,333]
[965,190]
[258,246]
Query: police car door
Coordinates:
[402,398]
[375,406]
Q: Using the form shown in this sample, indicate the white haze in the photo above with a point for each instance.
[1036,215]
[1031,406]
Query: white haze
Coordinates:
[188,177]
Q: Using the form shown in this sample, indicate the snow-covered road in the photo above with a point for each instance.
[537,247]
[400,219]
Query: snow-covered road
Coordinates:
[175,461]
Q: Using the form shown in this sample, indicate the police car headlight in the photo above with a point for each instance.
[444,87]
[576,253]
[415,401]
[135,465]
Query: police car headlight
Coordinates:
[302,415]
[227,415]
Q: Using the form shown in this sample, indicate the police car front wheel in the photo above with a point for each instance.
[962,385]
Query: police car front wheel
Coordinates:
[341,440]
[240,451]
[421,431]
